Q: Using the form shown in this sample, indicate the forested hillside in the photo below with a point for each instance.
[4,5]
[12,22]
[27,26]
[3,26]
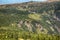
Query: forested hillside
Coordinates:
[30,19]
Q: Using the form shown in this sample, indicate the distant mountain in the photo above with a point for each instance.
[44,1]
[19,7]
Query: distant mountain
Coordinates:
[38,17]
[52,0]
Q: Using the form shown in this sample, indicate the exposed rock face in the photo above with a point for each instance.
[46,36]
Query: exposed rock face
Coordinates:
[20,23]
[39,27]
[29,25]
[57,28]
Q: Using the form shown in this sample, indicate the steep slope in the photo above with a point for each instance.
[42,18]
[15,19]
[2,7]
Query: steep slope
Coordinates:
[31,16]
